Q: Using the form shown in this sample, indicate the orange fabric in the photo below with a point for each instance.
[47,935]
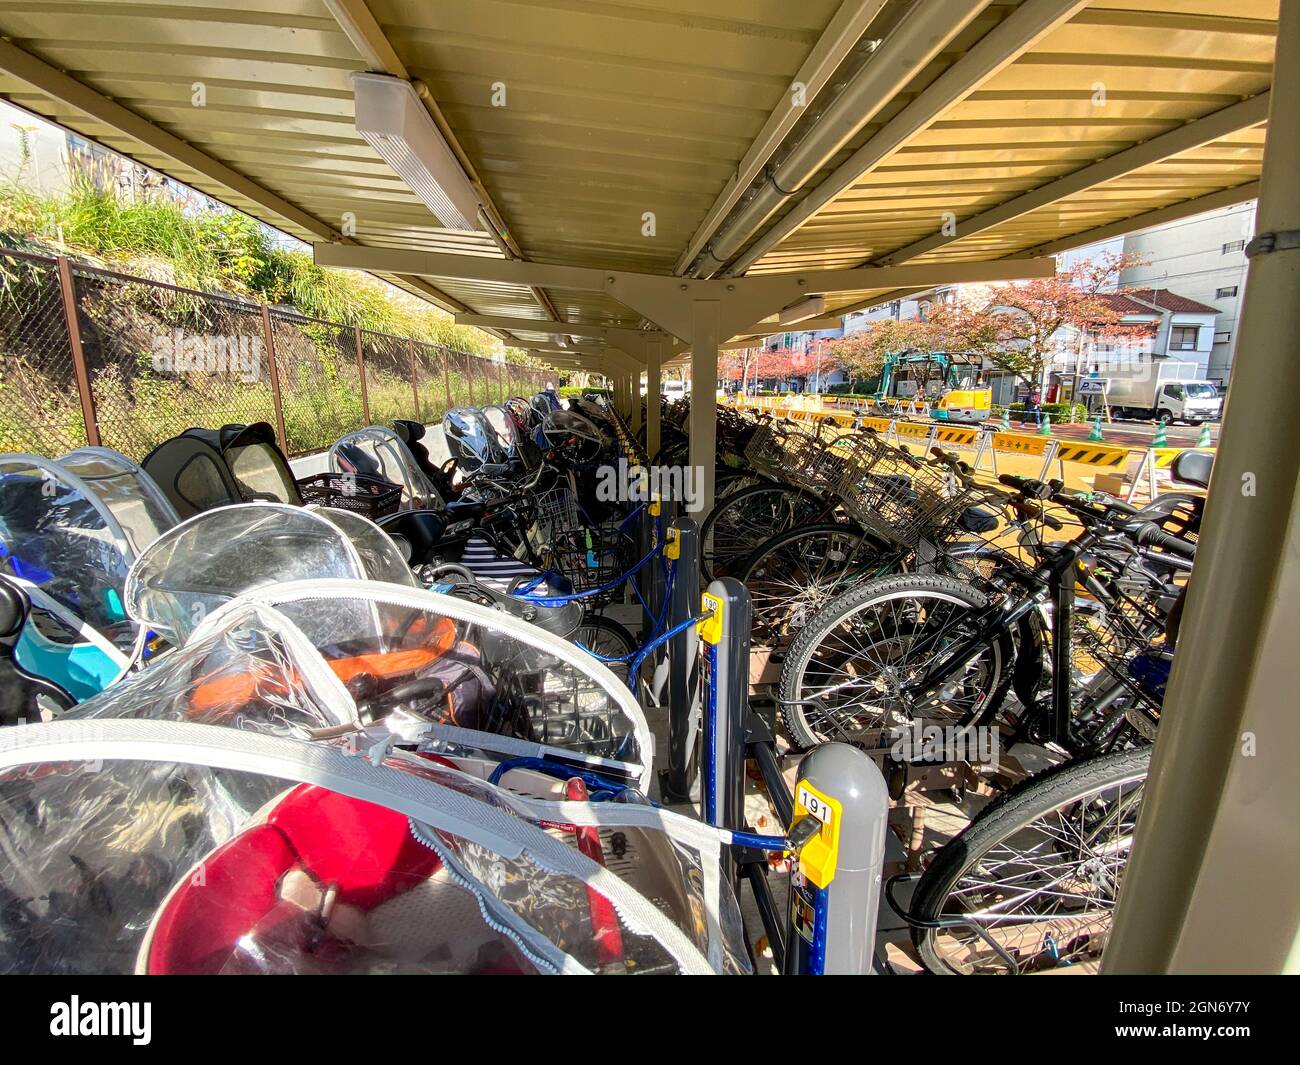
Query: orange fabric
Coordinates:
[235,689]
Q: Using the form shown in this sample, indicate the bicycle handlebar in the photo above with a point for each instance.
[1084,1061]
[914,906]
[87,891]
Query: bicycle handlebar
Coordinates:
[1149,534]
[1033,510]
[1031,486]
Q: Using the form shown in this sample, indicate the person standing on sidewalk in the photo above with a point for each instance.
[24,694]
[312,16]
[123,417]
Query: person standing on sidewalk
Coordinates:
[1033,404]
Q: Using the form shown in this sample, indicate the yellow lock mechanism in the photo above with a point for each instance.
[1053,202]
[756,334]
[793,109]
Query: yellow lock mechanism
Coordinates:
[819,855]
[673,544]
[711,626]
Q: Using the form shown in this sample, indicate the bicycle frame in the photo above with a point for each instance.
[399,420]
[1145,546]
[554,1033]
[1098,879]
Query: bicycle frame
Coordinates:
[1053,580]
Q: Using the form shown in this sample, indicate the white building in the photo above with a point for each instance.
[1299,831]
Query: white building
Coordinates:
[901,310]
[1202,258]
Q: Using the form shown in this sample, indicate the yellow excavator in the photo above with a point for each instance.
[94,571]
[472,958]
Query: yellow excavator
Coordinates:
[952,384]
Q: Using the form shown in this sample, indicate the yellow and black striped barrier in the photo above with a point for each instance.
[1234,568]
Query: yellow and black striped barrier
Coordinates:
[957,435]
[988,444]
[1089,454]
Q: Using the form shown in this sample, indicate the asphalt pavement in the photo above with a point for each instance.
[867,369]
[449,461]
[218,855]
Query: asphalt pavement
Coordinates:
[1131,434]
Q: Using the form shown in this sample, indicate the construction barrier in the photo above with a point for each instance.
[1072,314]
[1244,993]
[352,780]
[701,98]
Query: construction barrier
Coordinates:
[1102,457]
[956,436]
[1089,454]
[988,444]
[1153,460]
[914,433]
[995,443]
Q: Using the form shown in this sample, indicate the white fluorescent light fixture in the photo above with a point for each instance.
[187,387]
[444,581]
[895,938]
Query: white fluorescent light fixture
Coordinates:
[808,307]
[395,124]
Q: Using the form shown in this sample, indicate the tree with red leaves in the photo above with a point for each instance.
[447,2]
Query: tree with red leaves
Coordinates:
[951,327]
[1029,316]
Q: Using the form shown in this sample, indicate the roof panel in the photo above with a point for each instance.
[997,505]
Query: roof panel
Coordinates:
[1114,76]
[621,107]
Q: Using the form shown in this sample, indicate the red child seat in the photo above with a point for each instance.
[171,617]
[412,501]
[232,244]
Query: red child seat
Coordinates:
[230,912]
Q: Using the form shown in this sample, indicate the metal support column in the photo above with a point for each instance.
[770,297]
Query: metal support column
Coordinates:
[1205,889]
[636,401]
[653,377]
[704,385]
[683,547]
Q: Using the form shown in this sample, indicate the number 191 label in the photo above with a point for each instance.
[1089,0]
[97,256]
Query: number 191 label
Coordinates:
[815,805]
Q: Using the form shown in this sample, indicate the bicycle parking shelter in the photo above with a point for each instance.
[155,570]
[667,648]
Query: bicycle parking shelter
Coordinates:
[764,214]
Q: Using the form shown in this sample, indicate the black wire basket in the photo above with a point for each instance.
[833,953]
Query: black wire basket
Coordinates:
[371,497]
[824,468]
[902,498]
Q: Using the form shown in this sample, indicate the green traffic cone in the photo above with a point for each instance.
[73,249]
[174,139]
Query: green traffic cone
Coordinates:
[1204,439]
[1096,429]
[1006,420]
[1160,440]
[1045,429]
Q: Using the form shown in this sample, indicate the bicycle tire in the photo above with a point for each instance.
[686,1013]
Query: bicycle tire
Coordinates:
[608,638]
[737,511]
[831,555]
[1012,813]
[820,627]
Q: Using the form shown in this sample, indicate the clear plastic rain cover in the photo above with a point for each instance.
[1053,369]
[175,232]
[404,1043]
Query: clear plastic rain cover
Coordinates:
[379,452]
[321,658]
[351,816]
[219,554]
[70,529]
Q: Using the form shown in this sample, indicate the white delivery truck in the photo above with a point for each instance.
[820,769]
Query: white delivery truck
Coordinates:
[1161,388]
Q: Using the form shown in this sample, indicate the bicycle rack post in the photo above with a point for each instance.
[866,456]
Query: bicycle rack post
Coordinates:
[835,884]
[683,674]
[724,682]
[650,579]
[733,733]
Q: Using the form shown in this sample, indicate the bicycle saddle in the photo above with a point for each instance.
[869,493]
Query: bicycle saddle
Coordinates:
[977,520]
[1193,467]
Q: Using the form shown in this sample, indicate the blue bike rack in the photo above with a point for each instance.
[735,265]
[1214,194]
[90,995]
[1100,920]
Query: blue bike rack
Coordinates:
[835,817]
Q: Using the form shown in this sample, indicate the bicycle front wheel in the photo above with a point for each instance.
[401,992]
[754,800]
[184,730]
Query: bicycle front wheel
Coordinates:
[1038,872]
[846,676]
[607,639]
[795,573]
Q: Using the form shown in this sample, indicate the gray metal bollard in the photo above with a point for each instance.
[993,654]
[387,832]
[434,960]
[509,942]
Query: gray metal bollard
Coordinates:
[835,885]
[683,671]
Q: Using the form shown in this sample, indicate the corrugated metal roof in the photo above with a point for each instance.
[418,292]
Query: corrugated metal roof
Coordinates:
[1115,75]
[618,108]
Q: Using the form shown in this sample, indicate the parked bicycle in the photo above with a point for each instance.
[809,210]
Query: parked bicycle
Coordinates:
[929,646]
[881,510]
[1032,882]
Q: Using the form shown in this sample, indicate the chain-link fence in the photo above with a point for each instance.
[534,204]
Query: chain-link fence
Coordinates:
[92,356]
[40,405]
